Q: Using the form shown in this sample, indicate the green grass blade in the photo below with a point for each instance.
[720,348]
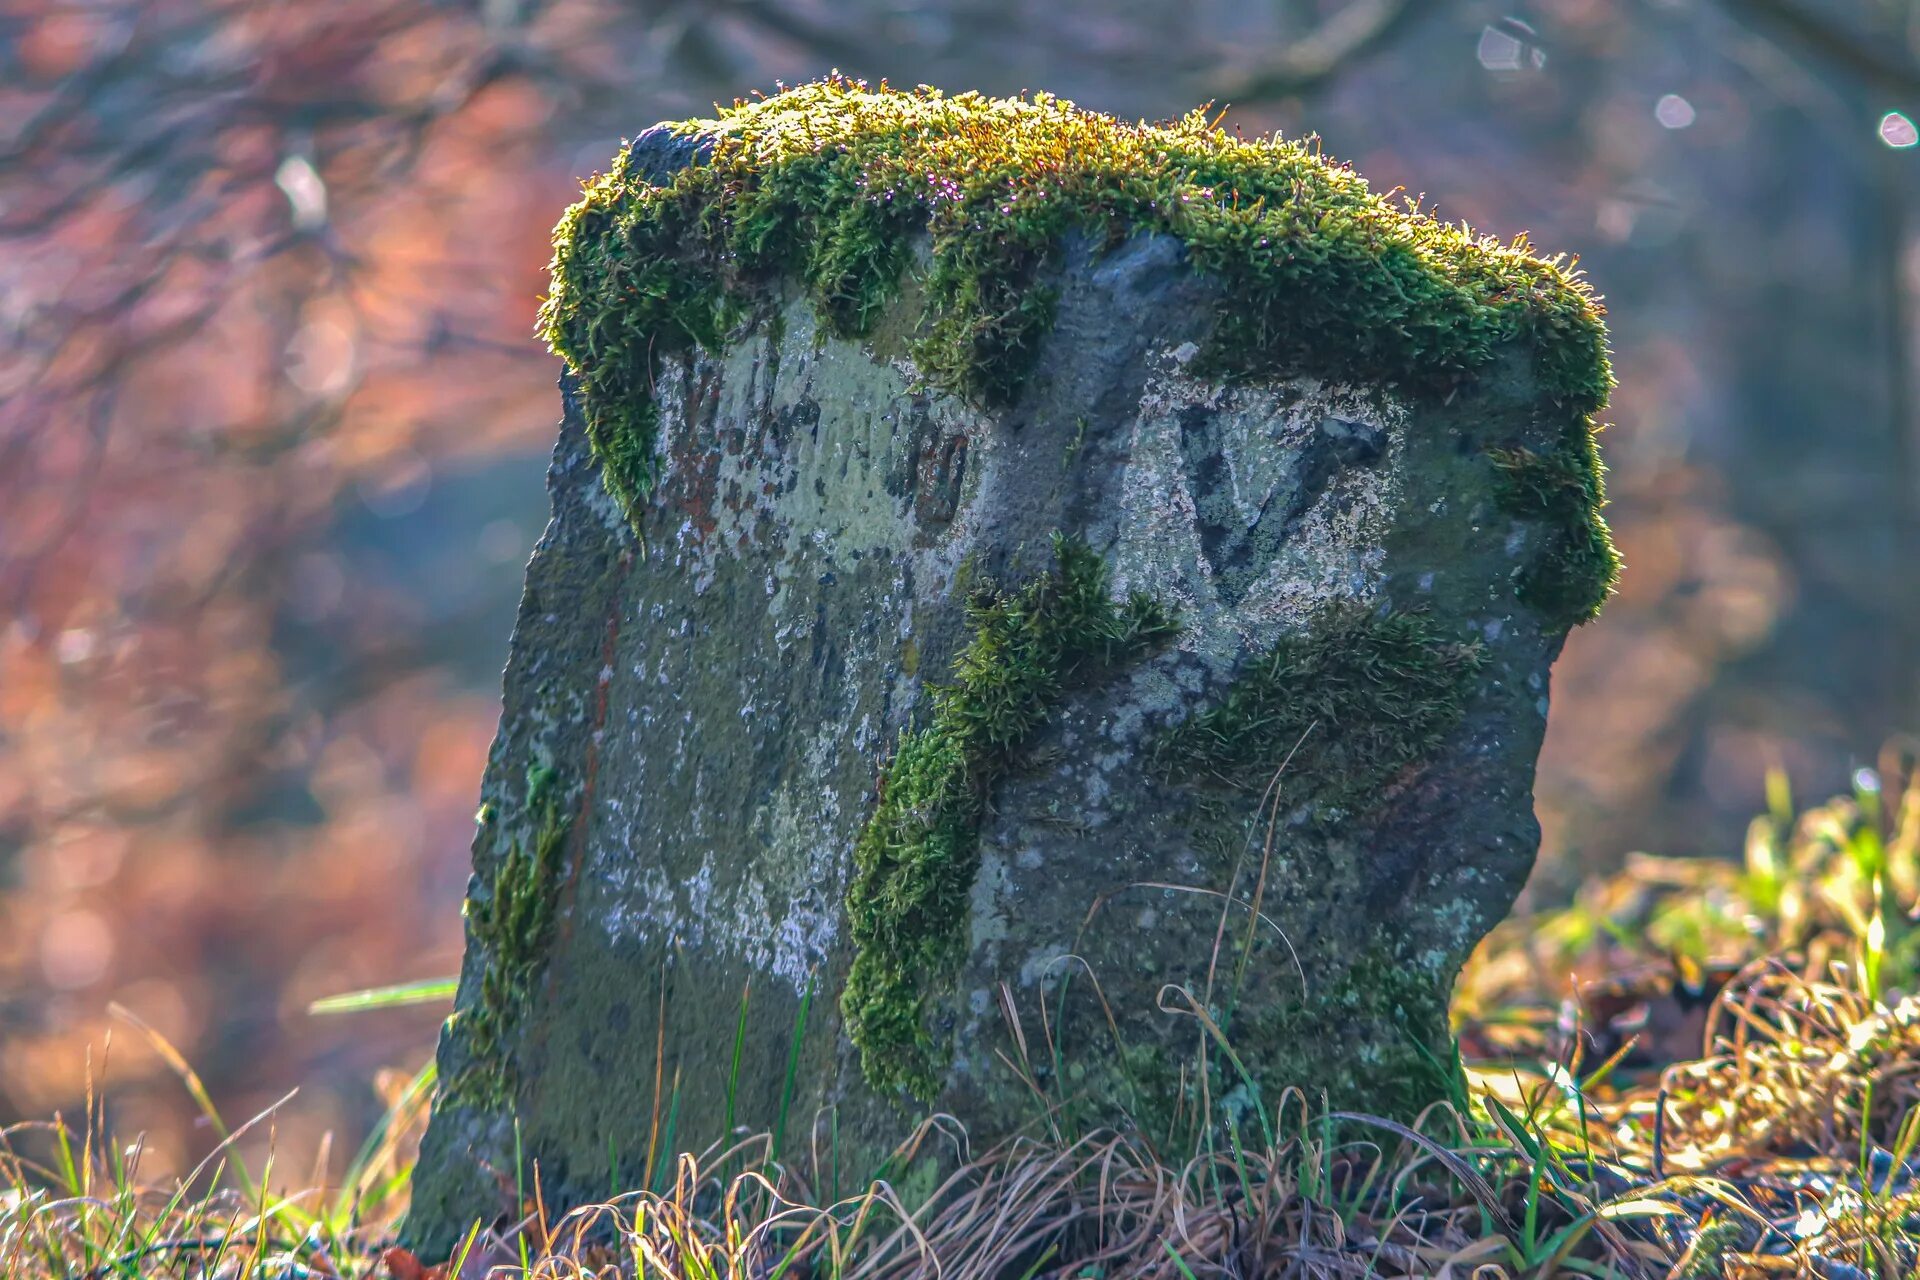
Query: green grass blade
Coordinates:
[793,1071]
[733,1072]
[401,995]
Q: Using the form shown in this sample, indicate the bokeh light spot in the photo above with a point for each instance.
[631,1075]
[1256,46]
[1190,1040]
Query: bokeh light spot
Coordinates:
[75,645]
[316,586]
[1674,111]
[1509,45]
[305,191]
[504,542]
[1897,131]
[75,950]
[402,488]
[320,359]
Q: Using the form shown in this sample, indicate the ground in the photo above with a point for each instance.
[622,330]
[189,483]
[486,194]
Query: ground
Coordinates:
[1788,1149]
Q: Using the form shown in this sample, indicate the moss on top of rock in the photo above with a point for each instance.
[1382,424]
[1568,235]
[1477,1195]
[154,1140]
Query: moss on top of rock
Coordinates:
[832,184]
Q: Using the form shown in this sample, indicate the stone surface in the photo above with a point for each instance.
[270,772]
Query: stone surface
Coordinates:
[1282,826]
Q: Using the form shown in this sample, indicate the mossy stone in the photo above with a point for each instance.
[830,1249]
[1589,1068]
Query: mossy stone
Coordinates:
[832,183]
[1044,618]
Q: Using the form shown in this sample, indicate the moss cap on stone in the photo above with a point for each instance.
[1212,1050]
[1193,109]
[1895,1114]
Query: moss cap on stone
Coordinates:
[854,190]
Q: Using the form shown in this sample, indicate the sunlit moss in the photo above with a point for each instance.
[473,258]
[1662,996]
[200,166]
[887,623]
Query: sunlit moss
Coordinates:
[1335,710]
[512,924]
[1572,574]
[917,856]
[836,185]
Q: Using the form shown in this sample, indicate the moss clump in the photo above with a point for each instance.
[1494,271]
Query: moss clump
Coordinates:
[513,924]
[1396,1012]
[833,183]
[916,858]
[1575,571]
[1344,705]
[1395,1055]
[1706,1258]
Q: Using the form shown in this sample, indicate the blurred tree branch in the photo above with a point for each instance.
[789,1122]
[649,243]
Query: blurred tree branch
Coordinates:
[1871,58]
[1353,32]
[788,23]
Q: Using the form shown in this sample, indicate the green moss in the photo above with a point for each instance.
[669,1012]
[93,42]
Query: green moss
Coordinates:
[1344,705]
[1391,1018]
[1717,1237]
[834,183]
[917,856]
[1396,1054]
[513,926]
[1336,711]
[1574,572]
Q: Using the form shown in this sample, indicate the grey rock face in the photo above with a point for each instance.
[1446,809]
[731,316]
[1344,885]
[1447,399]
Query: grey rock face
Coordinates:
[695,729]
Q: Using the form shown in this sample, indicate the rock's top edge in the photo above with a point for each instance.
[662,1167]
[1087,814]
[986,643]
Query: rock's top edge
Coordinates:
[833,184]
[1038,148]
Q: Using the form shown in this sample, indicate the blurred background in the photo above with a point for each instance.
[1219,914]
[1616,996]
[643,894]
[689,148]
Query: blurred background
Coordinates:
[273,432]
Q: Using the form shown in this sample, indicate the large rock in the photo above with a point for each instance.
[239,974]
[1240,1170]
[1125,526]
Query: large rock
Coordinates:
[1030,602]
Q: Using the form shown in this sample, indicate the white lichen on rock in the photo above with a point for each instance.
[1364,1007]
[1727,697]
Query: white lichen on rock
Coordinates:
[1333,549]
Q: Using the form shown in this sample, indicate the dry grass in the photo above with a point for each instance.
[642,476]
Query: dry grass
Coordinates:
[1786,1152]
[1787,1149]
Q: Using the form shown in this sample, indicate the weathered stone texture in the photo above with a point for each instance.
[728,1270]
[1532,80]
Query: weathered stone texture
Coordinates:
[716,698]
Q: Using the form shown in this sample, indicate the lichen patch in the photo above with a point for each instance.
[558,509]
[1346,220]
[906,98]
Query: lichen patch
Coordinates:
[1251,508]
[783,918]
